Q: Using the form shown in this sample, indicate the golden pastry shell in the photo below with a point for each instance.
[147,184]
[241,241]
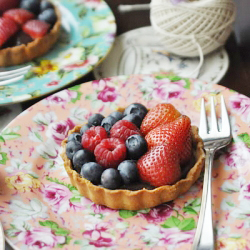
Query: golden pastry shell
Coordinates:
[140,199]
[26,52]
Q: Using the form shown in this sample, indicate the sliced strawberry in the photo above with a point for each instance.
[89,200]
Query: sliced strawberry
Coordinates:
[176,133]
[36,28]
[7,29]
[8,4]
[160,166]
[20,16]
[162,113]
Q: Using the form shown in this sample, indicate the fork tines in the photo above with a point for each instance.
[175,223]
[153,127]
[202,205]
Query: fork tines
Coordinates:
[7,77]
[225,126]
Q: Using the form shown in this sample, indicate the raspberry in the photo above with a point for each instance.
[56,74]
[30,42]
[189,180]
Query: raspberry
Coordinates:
[123,129]
[92,137]
[110,152]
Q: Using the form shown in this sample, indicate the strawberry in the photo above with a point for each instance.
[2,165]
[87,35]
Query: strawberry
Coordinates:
[8,4]
[7,28]
[162,113]
[36,28]
[160,166]
[176,133]
[20,16]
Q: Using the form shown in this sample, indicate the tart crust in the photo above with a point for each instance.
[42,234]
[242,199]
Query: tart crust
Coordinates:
[143,198]
[26,52]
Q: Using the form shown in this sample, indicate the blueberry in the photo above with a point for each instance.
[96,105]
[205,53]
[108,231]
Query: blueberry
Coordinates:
[75,137]
[92,171]
[111,178]
[81,157]
[31,5]
[95,120]
[128,171]
[72,147]
[84,128]
[48,16]
[117,115]
[136,119]
[44,5]
[136,108]
[108,122]
[136,146]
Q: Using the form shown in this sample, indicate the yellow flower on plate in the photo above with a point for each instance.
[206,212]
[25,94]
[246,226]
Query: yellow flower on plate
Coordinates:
[206,96]
[45,67]
[22,182]
[232,244]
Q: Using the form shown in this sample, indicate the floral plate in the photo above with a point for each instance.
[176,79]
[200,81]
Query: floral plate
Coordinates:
[88,33]
[41,209]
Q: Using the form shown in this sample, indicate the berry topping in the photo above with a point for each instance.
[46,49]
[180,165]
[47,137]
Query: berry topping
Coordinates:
[117,115]
[128,171]
[95,120]
[8,4]
[136,119]
[72,147]
[81,157]
[36,28]
[108,122]
[75,137]
[7,28]
[20,16]
[175,133]
[48,16]
[136,108]
[110,152]
[44,5]
[31,5]
[160,166]
[162,113]
[84,128]
[92,172]
[111,178]
[136,146]
[92,137]
[123,129]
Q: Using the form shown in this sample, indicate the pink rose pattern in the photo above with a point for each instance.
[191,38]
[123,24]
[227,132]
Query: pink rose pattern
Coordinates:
[240,105]
[41,238]
[99,236]
[59,130]
[58,197]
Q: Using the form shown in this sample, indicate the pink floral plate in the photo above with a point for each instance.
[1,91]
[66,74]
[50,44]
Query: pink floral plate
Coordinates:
[40,209]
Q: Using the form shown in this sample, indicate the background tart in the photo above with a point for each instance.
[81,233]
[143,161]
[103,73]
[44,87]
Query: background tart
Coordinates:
[142,198]
[23,53]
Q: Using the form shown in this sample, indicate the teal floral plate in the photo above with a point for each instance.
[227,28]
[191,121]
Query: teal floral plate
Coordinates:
[40,209]
[87,35]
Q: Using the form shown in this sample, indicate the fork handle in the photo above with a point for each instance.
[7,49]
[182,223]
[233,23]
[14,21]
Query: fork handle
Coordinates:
[204,237]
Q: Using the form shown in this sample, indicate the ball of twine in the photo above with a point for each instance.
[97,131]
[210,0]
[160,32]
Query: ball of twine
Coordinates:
[192,28]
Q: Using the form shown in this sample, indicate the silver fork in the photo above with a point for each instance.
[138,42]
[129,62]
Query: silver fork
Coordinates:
[213,139]
[7,77]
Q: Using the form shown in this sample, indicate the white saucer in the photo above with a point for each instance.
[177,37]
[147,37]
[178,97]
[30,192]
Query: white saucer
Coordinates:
[139,52]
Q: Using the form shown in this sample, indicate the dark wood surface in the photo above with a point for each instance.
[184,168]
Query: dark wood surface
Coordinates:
[238,74]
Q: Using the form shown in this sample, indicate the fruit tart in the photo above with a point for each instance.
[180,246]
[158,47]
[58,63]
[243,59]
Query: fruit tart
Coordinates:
[134,158]
[28,29]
